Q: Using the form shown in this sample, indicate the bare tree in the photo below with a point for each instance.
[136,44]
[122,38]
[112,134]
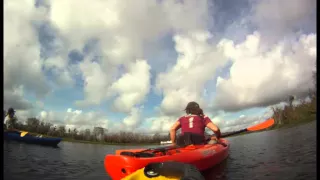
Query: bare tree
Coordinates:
[62,130]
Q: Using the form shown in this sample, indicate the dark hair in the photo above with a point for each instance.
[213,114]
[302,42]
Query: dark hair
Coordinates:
[194,108]
[200,112]
[11,111]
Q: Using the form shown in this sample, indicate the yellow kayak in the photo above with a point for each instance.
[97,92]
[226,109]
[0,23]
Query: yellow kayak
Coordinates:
[139,175]
[23,133]
[166,171]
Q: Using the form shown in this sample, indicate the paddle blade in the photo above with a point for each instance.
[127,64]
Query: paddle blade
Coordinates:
[264,125]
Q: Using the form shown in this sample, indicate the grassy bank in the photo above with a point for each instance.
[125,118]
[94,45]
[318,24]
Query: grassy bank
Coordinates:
[291,115]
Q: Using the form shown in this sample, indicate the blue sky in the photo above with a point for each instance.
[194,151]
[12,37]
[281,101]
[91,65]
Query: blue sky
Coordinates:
[76,46]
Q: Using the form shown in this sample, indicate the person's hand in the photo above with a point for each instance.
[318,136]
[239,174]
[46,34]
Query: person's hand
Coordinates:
[214,138]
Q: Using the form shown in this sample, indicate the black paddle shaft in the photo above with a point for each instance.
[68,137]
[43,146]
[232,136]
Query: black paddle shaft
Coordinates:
[233,133]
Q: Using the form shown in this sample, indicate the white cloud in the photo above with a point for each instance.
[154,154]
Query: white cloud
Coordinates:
[262,78]
[277,19]
[80,20]
[96,82]
[133,120]
[58,66]
[161,124]
[15,98]
[51,117]
[73,118]
[22,63]
[23,115]
[185,81]
[123,34]
[39,104]
[270,64]
[132,87]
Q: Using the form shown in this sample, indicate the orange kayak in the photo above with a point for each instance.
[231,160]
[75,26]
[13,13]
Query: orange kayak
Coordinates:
[126,162]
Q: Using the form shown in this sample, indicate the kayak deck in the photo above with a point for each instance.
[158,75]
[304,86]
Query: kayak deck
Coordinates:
[125,162]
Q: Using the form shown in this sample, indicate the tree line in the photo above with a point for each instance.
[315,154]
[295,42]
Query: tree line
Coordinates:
[34,125]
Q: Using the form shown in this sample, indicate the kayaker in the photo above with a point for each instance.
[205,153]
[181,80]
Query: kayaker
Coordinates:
[193,127]
[10,120]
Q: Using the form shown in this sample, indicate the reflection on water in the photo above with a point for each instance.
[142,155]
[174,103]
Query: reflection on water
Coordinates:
[279,154]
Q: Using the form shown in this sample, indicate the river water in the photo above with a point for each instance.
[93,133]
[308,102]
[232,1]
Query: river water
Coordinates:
[272,155]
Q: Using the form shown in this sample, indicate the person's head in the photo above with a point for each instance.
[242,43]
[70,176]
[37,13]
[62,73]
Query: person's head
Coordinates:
[11,112]
[193,108]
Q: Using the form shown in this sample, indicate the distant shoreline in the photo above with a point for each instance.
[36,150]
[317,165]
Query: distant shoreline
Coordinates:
[107,143]
[275,127]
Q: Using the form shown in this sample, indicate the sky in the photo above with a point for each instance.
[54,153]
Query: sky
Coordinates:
[134,65]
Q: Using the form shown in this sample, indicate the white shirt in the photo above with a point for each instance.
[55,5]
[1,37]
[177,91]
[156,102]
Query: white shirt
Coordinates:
[7,120]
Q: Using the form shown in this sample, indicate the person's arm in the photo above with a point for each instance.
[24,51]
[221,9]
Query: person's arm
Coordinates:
[209,124]
[215,129]
[5,120]
[173,131]
[5,123]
